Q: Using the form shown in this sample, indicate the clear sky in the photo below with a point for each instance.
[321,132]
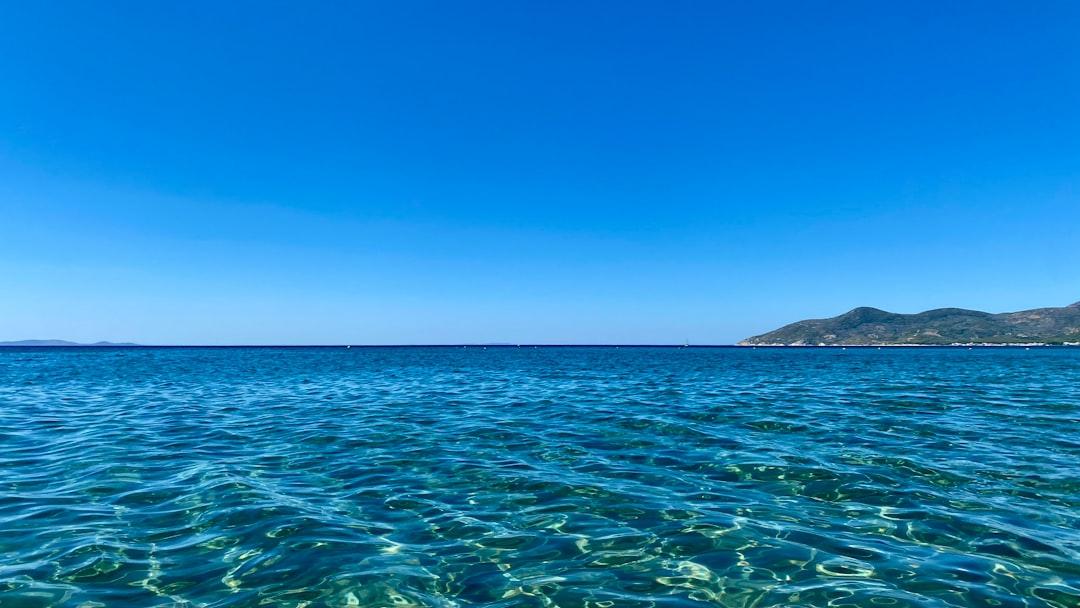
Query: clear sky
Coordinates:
[437,172]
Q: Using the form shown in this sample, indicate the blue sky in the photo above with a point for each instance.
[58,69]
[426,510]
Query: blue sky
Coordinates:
[617,172]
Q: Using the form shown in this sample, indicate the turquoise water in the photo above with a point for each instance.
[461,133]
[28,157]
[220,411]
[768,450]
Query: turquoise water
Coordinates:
[567,477]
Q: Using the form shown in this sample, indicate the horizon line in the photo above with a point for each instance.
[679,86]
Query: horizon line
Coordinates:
[515,346]
[15,344]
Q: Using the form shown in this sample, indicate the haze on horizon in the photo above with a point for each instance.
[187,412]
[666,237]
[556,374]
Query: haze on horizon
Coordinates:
[419,172]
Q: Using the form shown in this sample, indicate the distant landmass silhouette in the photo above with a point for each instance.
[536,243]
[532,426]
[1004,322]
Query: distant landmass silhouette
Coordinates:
[62,343]
[943,326]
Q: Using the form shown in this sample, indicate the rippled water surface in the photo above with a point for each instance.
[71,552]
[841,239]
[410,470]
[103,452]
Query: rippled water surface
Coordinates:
[567,477]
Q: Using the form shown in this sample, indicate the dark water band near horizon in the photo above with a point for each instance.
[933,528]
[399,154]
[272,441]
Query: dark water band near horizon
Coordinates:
[586,476]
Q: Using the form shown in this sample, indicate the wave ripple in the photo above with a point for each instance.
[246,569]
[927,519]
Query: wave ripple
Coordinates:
[568,477]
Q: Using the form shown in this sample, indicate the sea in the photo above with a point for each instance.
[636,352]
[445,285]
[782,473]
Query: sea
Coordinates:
[595,477]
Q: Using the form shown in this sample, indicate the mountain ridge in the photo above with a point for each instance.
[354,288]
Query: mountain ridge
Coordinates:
[866,325]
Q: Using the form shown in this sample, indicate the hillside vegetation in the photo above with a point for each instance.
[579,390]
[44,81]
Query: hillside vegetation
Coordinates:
[941,326]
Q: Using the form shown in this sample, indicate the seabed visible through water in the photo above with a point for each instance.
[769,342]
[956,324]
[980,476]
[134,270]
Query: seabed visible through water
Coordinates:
[569,477]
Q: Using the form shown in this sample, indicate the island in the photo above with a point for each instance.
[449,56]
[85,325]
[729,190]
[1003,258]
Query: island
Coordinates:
[61,343]
[867,326]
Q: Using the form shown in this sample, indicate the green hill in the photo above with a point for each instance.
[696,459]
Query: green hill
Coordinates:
[941,326]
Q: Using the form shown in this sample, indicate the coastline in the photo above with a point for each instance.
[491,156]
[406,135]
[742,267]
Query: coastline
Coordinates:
[896,345]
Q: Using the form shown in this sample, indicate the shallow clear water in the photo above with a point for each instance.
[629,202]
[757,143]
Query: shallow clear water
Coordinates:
[539,477]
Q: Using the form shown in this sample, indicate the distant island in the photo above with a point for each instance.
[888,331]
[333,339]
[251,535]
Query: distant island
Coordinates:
[62,343]
[943,326]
